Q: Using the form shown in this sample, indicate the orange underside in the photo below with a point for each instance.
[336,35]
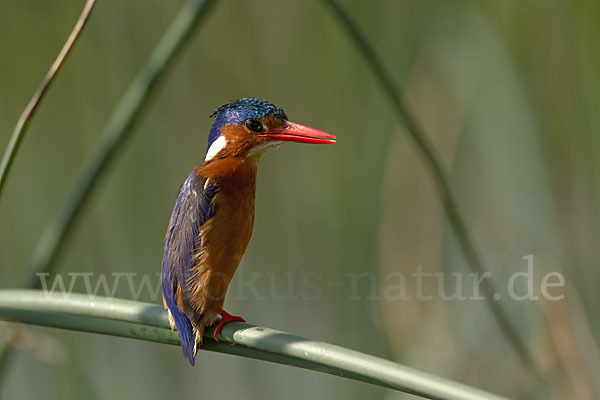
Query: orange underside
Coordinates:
[224,237]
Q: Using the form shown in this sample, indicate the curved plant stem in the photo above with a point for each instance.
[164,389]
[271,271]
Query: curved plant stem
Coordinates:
[23,122]
[115,134]
[426,149]
[149,322]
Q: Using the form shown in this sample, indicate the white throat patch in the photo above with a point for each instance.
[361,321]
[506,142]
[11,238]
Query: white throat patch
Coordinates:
[216,146]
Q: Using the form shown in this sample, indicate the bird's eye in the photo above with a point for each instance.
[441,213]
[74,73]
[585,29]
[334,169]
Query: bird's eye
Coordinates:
[253,125]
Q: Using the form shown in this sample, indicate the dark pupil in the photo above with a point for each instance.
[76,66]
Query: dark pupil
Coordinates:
[253,125]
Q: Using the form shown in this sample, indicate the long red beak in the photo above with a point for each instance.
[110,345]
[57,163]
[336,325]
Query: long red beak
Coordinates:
[293,132]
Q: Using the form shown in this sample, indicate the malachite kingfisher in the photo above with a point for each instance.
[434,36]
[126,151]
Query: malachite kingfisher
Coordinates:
[213,216]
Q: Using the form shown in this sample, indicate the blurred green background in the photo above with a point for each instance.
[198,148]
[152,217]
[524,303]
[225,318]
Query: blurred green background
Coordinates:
[508,91]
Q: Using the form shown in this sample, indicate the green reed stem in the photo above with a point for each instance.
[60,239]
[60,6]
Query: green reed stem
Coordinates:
[118,130]
[144,321]
[23,123]
[115,134]
[426,148]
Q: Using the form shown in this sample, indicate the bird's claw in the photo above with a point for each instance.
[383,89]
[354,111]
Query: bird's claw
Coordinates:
[225,319]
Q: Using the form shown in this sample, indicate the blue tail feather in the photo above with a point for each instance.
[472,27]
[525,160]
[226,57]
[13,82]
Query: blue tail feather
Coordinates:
[182,322]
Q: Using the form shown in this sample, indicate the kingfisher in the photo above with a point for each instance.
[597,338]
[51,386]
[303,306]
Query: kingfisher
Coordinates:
[212,220]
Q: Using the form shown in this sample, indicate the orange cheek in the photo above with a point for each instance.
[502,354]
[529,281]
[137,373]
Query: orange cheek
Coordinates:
[239,140]
[235,133]
[271,123]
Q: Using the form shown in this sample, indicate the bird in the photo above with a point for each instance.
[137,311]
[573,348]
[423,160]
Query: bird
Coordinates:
[213,216]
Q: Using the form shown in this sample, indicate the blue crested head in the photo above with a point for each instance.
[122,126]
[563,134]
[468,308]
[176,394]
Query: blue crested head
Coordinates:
[238,111]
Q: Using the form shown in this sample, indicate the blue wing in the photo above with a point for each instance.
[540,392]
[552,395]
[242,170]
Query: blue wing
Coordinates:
[192,209]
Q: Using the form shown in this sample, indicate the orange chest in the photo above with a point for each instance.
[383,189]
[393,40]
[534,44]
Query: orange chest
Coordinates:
[226,235]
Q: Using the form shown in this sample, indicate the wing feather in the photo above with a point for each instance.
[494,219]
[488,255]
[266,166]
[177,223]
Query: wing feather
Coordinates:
[193,208]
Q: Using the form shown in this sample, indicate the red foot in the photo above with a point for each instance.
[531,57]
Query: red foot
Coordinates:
[225,319]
